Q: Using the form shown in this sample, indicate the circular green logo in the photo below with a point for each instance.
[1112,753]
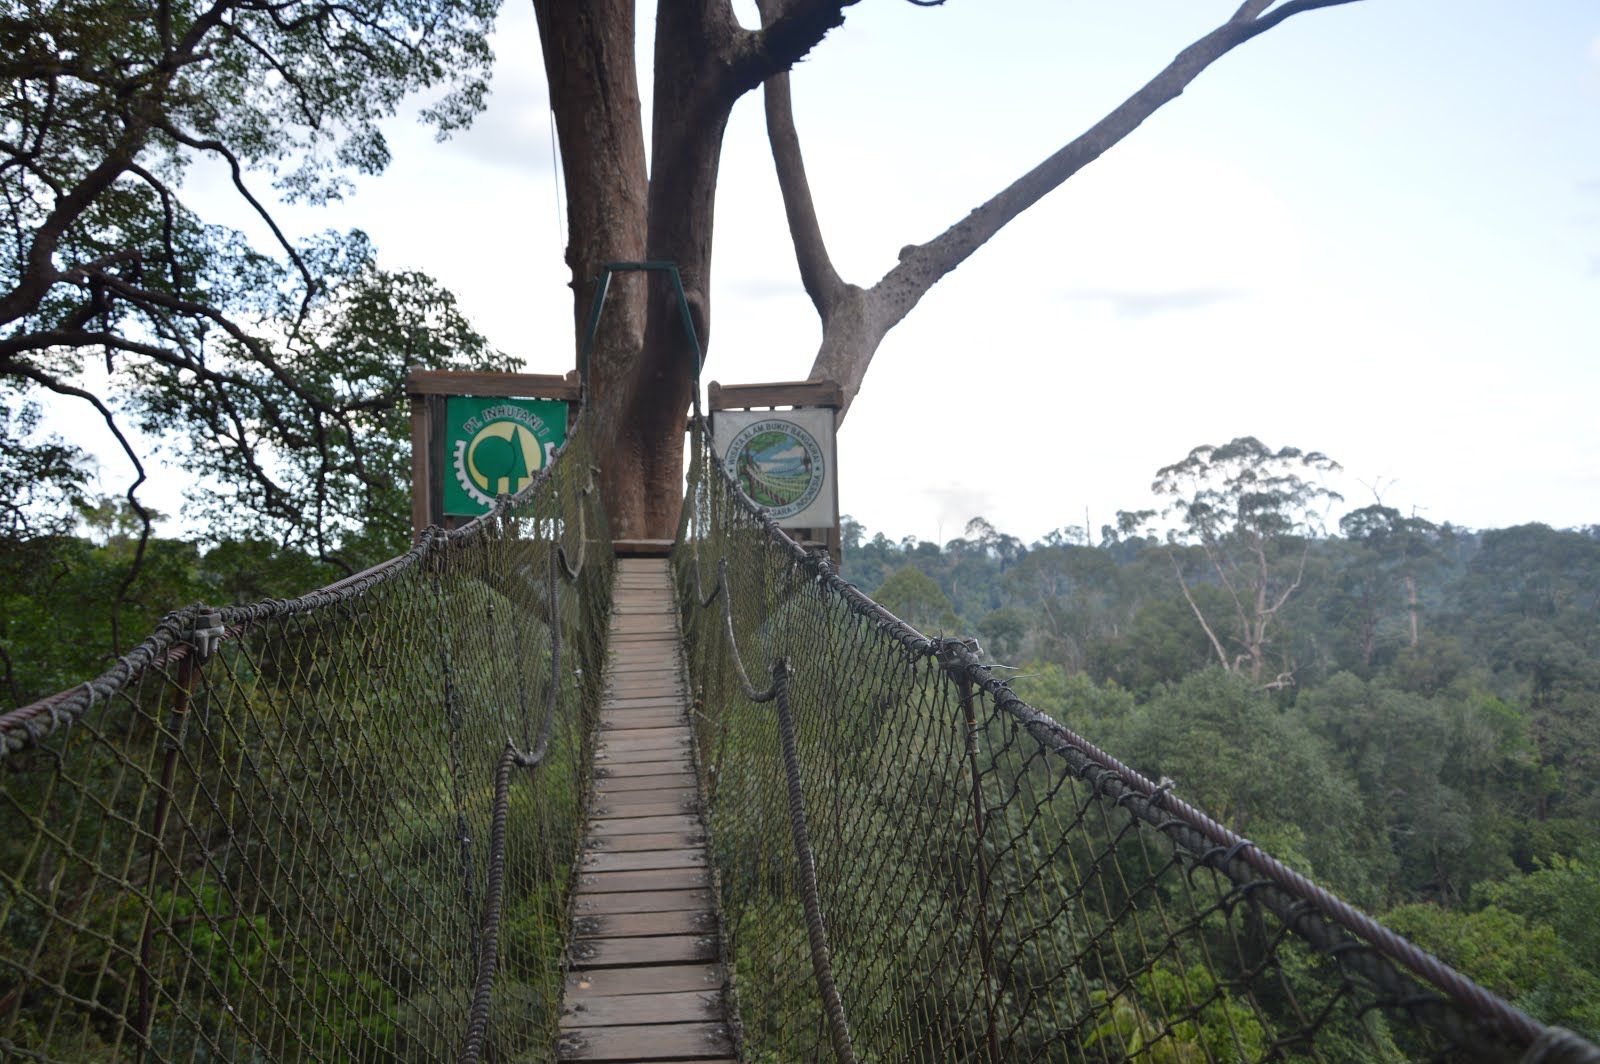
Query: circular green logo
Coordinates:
[779,465]
[500,459]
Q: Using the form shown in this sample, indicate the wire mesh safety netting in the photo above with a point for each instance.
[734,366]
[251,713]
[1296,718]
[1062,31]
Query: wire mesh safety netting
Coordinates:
[339,827]
[914,865]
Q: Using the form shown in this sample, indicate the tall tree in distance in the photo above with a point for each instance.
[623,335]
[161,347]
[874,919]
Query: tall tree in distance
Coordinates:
[621,209]
[1395,550]
[1250,512]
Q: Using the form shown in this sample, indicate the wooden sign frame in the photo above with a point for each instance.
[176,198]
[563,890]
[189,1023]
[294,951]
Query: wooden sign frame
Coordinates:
[428,390]
[795,395]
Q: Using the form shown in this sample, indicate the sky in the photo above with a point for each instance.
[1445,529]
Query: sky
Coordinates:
[1373,231]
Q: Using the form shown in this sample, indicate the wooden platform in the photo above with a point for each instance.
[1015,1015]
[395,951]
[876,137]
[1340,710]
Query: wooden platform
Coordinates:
[645,984]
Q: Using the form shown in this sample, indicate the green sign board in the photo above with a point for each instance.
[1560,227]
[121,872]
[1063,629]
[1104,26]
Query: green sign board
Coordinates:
[496,446]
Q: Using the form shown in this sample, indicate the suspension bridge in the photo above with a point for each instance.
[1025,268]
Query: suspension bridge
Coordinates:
[509,798]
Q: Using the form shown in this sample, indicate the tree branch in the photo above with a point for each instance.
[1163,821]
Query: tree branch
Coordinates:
[1183,586]
[237,170]
[822,282]
[794,29]
[50,383]
[845,358]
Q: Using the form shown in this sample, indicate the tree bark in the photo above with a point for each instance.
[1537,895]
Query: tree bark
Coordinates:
[594,92]
[643,369]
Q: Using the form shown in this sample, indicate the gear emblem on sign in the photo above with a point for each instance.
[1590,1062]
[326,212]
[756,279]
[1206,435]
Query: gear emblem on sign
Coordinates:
[500,459]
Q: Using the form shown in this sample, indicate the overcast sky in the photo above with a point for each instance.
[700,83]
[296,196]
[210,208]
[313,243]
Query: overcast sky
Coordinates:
[1373,231]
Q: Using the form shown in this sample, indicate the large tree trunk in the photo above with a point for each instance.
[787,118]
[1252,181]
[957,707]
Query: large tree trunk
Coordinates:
[594,92]
[691,108]
[643,369]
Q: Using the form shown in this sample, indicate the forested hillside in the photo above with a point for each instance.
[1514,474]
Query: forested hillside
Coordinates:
[1422,733]
[1408,712]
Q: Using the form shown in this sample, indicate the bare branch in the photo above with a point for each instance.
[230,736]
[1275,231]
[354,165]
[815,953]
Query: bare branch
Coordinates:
[237,170]
[1183,585]
[822,282]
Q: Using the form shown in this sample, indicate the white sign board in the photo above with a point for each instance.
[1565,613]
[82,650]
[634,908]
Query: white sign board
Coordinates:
[783,460]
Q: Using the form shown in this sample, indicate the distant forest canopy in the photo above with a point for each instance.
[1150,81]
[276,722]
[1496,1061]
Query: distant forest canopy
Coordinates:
[1408,712]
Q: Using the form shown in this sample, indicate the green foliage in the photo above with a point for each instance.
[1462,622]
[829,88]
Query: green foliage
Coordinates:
[275,378]
[1449,774]
[915,598]
[313,450]
[42,478]
[1256,769]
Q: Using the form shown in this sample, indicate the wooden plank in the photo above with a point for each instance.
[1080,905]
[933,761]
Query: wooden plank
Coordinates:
[778,393]
[644,825]
[632,664]
[645,701]
[585,986]
[633,770]
[645,686]
[673,740]
[626,760]
[607,753]
[659,685]
[627,925]
[677,758]
[642,549]
[669,709]
[622,1010]
[617,807]
[647,727]
[639,860]
[666,840]
[667,781]
[651,1041]
[649,733]
[500,385]
[615,799]
[637,725]
[640,719]
[644,763]
[657,879]
[591,953]
[642,901]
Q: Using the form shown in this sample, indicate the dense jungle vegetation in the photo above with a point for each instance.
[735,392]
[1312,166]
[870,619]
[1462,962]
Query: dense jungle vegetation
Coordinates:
[1408,712]
[1417,722]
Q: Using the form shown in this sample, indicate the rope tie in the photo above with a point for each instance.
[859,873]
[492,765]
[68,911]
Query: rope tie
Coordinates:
[750,691]
[816,931]
[494,897]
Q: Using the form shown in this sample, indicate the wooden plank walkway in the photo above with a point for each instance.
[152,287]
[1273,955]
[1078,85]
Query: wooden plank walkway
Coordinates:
[645,984]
